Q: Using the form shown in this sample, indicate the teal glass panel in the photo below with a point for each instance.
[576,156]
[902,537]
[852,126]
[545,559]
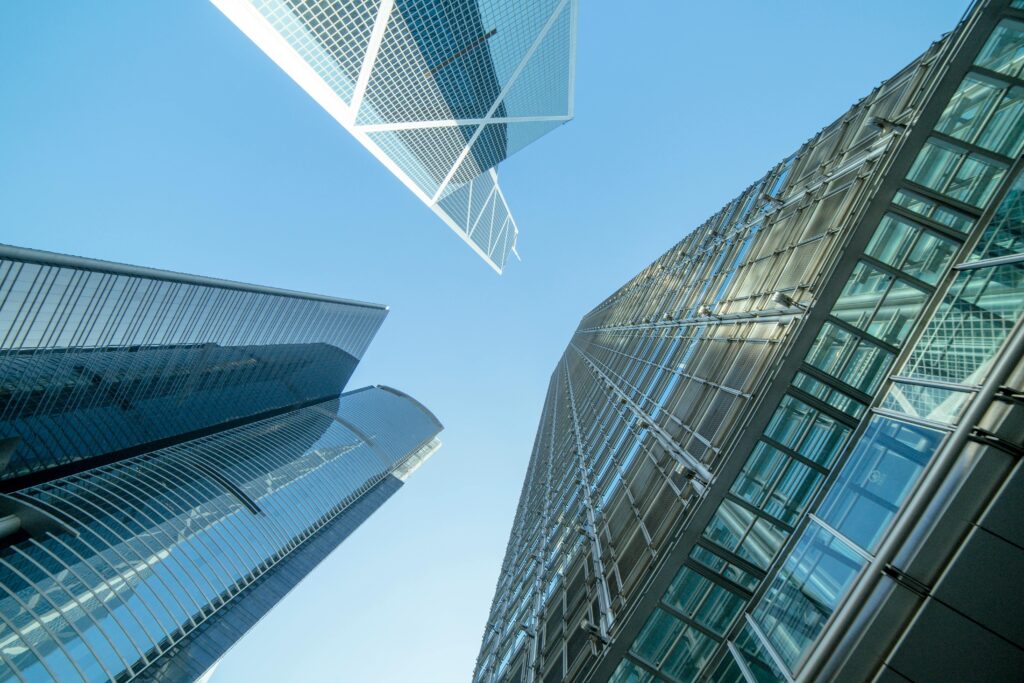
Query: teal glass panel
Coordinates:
[1004,50]
[723,567]
[656,638]
[776,483]
[689,656]
[744,533]
[970,106]
[951,171]
[897,313]
[806,430]
[829,395]
[756,657]
[986,112]
[805,593]
[917,252]
[857,362]
[1004,235]
[881,472]
[929,208]
[630,672]
[702,600]
[963,337]
[865,288]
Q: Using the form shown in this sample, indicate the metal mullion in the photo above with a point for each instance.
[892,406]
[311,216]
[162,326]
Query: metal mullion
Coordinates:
[100,483]
[139,503]
[936,196]
[177,503]
[124,541]
[38,591]
[227,556]
[35,620]
[972,148]
[154,643]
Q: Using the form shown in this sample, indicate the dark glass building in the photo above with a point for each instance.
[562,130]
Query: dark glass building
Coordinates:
[790,448]
[177,456]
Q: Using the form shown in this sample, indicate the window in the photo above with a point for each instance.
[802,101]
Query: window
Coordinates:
[959,175]
[776,483]
[703,601]
[857,362]
[806,592]
[807,431]
[1004,51]
[929,208]
[986,112]
[1004,236]
[911,249]
[967,330]
[745,533]
[881,471]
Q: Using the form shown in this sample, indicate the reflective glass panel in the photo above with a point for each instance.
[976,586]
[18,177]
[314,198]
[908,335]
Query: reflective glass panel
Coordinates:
[882,470]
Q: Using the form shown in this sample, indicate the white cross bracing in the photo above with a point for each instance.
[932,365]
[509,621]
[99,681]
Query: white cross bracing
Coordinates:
[487,226]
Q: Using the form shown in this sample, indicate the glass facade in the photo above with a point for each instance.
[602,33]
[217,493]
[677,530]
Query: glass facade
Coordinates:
[441,92]
[97,358]
[177,458]
[739,443]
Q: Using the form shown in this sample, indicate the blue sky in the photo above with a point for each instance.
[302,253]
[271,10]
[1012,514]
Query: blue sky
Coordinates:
[155,133]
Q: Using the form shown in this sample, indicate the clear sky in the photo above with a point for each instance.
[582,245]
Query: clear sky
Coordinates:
[155,133]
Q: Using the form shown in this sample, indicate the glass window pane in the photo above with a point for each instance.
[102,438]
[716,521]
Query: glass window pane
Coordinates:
[933,210]
[656,637]
[1004,51]
[896,315]
[881,471]
[1004,235]
[1004,132]
[930,257]
[929,403]
[806,591]
[859,363]
[969,107]
[689,656]
[953,172]
[629,672]
[865,288]
[892,240]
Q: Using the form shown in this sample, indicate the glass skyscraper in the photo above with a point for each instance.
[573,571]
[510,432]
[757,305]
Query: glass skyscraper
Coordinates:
[790,448]
[439,91]
[176,455]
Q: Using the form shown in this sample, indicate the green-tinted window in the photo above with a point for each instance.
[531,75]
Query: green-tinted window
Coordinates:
[1004,235]
[807,431]
[688,658]
[1004,51]
[913,250]
[744,533]
[630,672]
[878,477]
[726,569]
[829,395]
[986,112]
[776,483]
[806,591]
[857,362]
[937,404]
[758,661]
[703,600]
[929,208]
[951,171]
[656,637]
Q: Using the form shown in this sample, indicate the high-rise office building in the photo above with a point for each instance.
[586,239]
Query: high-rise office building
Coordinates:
[439,91]
[790,448]
[177,455]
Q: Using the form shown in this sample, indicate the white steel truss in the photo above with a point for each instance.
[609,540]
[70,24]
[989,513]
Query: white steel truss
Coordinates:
[451,170]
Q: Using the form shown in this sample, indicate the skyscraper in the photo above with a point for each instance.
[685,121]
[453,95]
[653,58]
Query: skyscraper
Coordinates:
[789,449]
[439,92]
[176,457]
